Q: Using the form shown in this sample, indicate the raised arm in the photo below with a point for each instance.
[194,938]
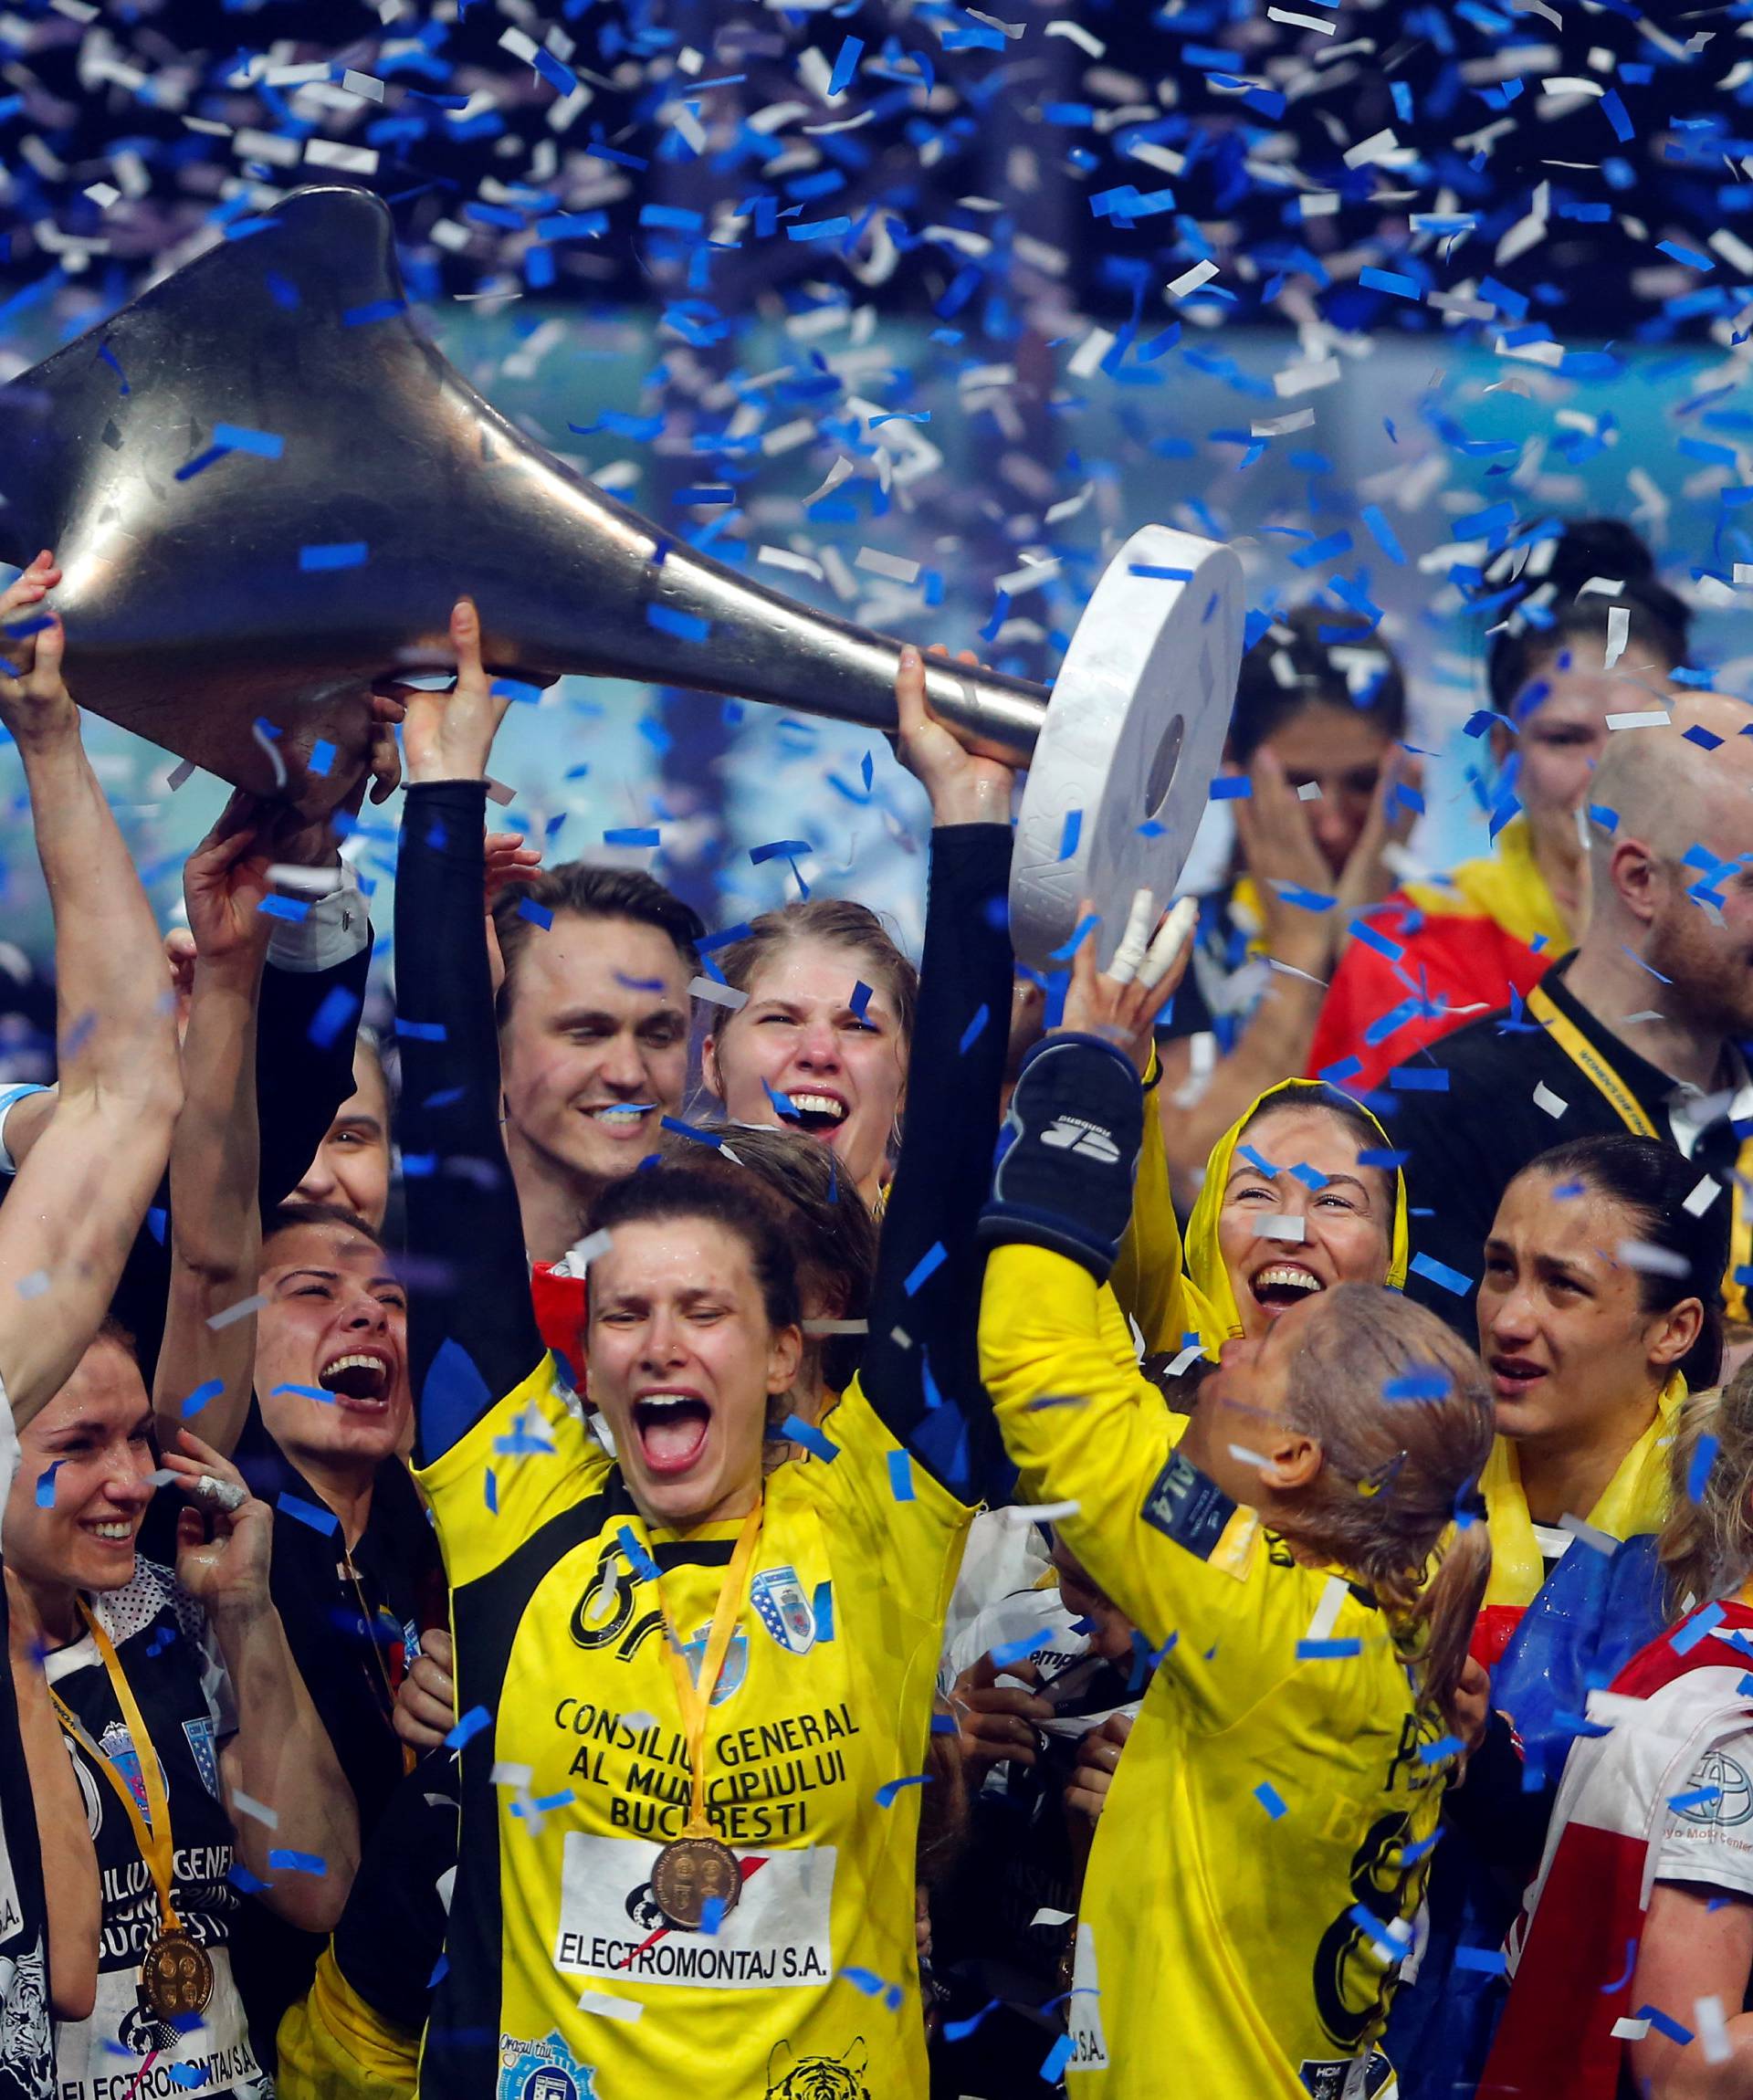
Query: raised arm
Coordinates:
[955,1071]
[469,1279]
[67,1226]
[216,1217]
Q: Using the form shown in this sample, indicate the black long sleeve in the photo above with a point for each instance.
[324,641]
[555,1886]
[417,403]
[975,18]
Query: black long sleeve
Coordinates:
[472,1332]
[300,1083]
[920,1368]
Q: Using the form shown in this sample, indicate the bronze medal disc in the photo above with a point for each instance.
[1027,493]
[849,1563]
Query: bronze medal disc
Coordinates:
[688,1873]
[176,1975]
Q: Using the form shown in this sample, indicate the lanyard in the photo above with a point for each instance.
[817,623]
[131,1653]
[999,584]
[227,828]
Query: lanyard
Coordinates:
[154,1841]
[1629,1110]
[695,1694]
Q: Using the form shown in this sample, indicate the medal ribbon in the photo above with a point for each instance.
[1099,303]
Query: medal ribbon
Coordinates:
[695,1694]
[1626,1106]
[154,1840]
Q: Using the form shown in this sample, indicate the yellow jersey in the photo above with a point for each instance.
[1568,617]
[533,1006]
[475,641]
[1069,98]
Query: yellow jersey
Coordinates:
[563,1979]
[1261,1856]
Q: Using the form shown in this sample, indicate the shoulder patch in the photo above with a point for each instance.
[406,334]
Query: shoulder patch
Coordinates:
[1187,1506]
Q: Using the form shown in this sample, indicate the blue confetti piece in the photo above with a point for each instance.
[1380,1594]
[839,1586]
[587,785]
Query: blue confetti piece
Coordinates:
[293,909]
[379,310]
[333,554]
[776,849]
[900,1476]
[419,1031]
[1019,1651]
[890,1788]
[210,1388]
[285,1861]
[467,1727]
[1439,1751]
[1698,1468]
[304,1393]
[818,230]
[925,1267]
[453,1398]
[560,78]
[1441,1274]
[339,1007]
[711,1915]
[685,626]
[944,1725]
[1700,1797]
[1664,2023]
[1073,831]
[1054,2064]
[200,463]
[1232,787]
[311,1513]
[959,2030]
[1271,1800]
[1486,1960]
[1327,1651]
[321,759]
[795,1430]
[975,1029]
[46,1487]
[1079,934]
[845,65]
[537,914]
[860,998]
[1699,1627]
[1419,1079]
[822,1606]
[633,835]
[236,437]
[634,1552]
[491,1490]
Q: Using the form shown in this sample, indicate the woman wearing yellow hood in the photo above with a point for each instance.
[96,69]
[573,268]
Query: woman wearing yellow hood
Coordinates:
[1302,1194]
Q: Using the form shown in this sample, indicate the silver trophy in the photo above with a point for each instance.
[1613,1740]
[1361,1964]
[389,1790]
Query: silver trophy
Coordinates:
[266,491]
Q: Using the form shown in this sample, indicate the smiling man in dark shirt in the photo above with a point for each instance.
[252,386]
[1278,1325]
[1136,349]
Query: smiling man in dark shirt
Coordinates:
[1639,1030]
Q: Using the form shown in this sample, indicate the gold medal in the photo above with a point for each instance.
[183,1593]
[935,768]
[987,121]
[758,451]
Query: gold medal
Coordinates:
[176,1976]
[691,1872]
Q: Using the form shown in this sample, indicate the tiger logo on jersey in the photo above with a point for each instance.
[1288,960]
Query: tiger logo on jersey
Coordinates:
[838,2077]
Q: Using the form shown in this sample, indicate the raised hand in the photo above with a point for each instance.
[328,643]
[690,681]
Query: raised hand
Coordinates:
[449,736]
[35,703]
[1122,1002]
[225,880]
[964,789]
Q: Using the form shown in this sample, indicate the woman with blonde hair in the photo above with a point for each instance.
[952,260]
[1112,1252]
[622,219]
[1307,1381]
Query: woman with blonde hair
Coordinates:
[1293,1560]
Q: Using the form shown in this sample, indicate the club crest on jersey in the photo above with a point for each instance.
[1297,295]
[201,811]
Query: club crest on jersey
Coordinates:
[731,1671]
[782,1607]
[201,1748]
[117,1747]
[544,2070]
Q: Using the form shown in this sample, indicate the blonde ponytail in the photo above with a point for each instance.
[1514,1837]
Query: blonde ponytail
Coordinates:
[1399,1469]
